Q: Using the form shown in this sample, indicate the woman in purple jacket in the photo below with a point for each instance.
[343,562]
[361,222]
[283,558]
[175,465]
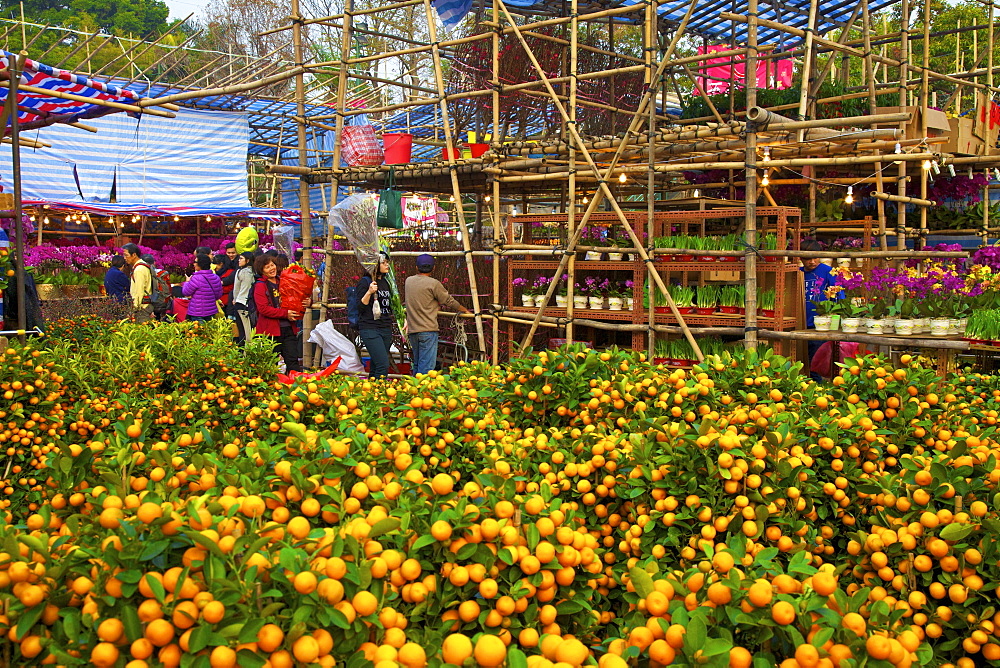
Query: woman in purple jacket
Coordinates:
[204,289]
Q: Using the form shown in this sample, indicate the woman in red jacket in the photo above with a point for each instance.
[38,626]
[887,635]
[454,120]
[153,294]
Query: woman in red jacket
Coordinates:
[274,320]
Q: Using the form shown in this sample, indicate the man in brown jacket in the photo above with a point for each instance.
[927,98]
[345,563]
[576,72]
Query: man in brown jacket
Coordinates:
[424,298]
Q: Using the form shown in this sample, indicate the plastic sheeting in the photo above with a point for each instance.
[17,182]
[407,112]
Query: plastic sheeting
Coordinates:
[195,159]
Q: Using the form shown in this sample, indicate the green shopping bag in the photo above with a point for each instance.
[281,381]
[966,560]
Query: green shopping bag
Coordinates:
[390,204]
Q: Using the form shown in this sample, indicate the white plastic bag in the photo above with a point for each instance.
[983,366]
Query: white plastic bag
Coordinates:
[334,344]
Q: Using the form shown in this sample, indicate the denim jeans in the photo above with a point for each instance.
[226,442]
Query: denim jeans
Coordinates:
[378,343]
[425,351]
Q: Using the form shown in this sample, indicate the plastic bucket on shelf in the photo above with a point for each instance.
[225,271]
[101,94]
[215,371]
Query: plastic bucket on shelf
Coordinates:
[397,148]
[455,153]
[477,150]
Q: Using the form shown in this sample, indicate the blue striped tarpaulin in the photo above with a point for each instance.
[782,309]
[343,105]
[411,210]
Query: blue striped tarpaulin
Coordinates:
[195,159]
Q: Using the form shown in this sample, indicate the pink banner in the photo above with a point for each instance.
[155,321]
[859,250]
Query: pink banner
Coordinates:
[770,74]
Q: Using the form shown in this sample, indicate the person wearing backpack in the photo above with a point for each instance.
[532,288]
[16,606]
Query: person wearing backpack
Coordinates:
[204,289]
[373,295]
[142,283]
[242,285]
[159,296]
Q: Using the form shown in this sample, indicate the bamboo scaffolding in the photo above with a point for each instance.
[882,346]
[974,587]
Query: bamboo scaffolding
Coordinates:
[455,186]
[604,189]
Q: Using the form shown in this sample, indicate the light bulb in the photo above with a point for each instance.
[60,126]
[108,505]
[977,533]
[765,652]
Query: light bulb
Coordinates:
[765,182]
[621,178]
[208,218]
[585,199]
[767,154]
[935,167]
[899,148]
[926,165]
[697,193]
[996,172]
[970,173]
[487,199]
[46,219]
[31,218]
[177,219]
[850,195]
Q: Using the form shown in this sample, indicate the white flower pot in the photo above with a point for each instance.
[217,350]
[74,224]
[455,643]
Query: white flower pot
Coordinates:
[527,300]
[615,303]
[925,325]
[562,301]
[822,323]
[629,303]
[890,326]
[963,323]
[844,262]
[579,301]
[850,325]
[539,300]
[874,325]
[953,327]
[632,257]
[615,257]
[593,256]
[905,326]
[596,303]
[939,326]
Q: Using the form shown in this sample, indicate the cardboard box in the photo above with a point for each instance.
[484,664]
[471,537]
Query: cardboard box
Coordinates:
[937,121]
[961,139]
[724,276]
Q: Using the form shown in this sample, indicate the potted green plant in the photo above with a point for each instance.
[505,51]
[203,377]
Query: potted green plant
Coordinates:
[732,299]
[905,323]
[823,321]
[875,316]
[683,297]
[708,297]
[765,303]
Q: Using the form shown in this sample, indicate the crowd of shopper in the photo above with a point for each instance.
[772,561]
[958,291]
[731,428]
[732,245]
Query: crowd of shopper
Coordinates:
[245,288]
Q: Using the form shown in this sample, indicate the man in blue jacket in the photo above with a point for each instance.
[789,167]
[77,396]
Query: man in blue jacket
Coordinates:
[116,281]
[817,278]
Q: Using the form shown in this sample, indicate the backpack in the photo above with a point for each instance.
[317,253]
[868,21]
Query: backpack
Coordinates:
[154,298]
[353,307]
[161,295]
[252,313]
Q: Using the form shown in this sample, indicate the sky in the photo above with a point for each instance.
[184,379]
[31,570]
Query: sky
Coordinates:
[181,8]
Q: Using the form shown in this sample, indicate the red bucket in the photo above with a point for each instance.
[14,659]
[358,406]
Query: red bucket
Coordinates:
[477,150]
[397,148]
[455,153]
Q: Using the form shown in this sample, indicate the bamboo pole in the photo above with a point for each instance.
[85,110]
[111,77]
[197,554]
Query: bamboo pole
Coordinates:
[604,190]
[110,104]
[456,188]
[884,197]
[225,90]
[651,38]
[750,220]
[901,169]
[150,45]
[807,61]
[925,103]
[845,32]
[572,183]
[496,141]
[872,108]
[305,208]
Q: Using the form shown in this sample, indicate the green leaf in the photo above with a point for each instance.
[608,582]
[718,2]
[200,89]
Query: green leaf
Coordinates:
[694,639]
[956,531]
[28,619]
[516,659]
[156,586]
[822,636]
[205,542]
[423,542]
[383,527]
[717,646]
[641,581]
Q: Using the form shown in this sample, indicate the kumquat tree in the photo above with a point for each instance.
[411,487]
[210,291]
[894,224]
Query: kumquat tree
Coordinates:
[178,507]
